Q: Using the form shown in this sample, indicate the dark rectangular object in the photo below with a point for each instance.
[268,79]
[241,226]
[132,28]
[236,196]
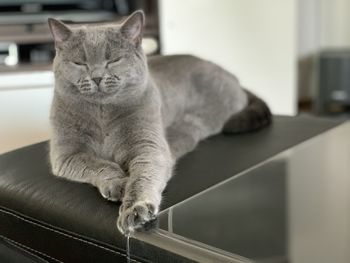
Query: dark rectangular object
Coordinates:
[333,79]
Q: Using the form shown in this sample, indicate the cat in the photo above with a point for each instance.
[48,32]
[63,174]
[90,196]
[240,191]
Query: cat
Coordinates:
[119,121]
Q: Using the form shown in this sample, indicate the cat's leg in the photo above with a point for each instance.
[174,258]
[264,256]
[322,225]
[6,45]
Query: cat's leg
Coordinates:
[150,168]
[149,173]
[184,135]
[83,167]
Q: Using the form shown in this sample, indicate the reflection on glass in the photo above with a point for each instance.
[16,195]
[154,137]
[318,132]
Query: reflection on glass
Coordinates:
[292,208]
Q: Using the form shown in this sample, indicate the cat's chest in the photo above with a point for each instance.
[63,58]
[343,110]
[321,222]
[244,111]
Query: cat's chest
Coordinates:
[106,134]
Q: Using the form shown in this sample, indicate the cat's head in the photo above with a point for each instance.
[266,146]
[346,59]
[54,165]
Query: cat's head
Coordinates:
[100,63]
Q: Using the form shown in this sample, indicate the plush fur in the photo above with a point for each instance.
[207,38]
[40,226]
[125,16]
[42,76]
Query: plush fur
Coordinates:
[120,122]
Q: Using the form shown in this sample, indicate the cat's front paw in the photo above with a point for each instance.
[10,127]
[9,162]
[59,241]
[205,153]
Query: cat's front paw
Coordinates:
[138,216]
[112,188]
[111,182]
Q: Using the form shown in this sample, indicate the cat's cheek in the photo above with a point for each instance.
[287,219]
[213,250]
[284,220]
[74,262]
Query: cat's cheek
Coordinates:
[73,74]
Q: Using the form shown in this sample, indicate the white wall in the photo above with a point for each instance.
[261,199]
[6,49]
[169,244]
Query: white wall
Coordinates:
[254,39]
[323,24]
[309,26]
[334,23]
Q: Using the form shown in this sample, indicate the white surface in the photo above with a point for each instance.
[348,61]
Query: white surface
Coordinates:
[24,117]
[256,40]
[309,26]
[26,80]
[322,24]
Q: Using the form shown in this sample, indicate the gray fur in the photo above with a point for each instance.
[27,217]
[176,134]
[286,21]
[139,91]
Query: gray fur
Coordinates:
[120,122]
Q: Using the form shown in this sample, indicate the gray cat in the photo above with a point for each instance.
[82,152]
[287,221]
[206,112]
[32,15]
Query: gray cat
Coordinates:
[120,122]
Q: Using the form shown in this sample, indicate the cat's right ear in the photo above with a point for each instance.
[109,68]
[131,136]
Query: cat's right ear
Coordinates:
[59,31]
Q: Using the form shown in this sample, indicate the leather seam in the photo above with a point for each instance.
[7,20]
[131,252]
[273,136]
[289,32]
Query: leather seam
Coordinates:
[26,248]
[67,235]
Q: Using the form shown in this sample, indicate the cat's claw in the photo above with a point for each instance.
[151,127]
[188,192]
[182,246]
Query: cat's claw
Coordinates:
[136,217]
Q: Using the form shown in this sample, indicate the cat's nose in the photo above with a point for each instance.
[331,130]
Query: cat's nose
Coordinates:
[97,80]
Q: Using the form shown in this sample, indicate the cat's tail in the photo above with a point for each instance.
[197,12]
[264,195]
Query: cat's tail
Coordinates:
[253,117]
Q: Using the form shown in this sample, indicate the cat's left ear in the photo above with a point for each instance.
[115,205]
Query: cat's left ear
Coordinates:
[132,27]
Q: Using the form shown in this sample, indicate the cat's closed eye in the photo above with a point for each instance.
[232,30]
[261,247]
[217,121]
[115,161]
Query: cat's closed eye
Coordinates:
[112,61]
[80,64]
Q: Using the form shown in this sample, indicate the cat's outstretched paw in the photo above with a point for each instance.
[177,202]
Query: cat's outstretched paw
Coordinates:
[138,216]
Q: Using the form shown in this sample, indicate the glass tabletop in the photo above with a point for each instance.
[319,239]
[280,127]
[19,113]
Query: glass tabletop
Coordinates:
[294,207]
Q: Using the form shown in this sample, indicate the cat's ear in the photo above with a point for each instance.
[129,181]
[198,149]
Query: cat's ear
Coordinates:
[132,27]
[59,31]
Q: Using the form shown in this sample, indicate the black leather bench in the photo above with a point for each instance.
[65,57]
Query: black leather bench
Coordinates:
[62,221]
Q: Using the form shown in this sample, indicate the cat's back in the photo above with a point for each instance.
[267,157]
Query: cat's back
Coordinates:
[182,59]
[175,73]
[181,69]
[173,65]
[173,77]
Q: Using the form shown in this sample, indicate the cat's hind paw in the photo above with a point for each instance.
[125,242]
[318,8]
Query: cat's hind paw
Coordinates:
[140,216]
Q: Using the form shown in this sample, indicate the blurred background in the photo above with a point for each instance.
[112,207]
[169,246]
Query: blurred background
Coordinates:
[293,53]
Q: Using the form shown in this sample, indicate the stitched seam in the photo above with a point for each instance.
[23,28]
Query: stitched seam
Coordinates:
[69,236]
[25,249]
[21,246]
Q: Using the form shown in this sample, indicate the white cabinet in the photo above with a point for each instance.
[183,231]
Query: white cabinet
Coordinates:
[24,109]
